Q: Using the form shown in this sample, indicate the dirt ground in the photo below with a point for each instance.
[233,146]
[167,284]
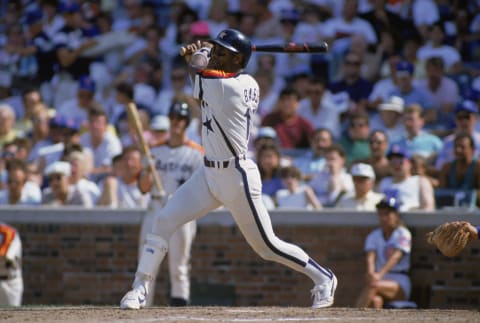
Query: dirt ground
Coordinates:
[92,314]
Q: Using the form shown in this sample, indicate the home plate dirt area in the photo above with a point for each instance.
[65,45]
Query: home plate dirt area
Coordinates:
[89,314]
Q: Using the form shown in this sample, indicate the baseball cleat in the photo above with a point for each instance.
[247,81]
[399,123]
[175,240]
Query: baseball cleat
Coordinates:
[323,295]
[134,299]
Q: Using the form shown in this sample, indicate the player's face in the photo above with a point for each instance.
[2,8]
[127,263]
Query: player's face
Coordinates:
[388,218]
[177,125]
[224,59]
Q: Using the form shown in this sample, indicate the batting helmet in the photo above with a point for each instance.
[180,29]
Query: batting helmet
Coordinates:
[389,202]
[180,109]
[236,42]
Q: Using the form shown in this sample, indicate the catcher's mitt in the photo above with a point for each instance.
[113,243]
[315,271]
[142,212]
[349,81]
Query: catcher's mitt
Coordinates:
[450,238]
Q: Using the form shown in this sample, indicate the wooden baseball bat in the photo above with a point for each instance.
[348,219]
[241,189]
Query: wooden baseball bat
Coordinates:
[321,47]
[132,113]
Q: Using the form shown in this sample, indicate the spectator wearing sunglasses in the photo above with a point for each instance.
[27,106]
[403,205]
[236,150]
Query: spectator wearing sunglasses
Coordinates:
[59,191]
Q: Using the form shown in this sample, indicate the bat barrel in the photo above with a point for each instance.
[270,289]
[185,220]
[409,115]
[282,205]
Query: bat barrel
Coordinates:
[292,48]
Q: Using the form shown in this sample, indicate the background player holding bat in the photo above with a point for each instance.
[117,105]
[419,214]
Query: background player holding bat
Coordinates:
[228,99]
[175,161]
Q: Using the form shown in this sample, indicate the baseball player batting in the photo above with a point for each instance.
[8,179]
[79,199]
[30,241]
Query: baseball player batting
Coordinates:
[175,161]
[229,98]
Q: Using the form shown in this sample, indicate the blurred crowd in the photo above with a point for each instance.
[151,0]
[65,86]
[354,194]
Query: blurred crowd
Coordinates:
[391,109]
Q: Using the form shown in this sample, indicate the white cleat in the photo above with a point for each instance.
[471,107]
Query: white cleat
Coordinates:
[134,299]
[323,295]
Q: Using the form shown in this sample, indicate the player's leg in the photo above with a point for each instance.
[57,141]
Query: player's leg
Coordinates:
[180,245]
[176,212]
[390,290]
[254,221]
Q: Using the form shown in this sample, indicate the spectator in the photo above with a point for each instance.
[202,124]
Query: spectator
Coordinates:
[355,141]
[363,198]
[268,160]
[104,145]
[443,92]
[7,120]
[121,190]
[59,192]
[358,88]
[77,108]
[11,285]
[41,46]
[378,155]
[179,87]
[296,194]
[70,41]
[39,135]
[79,165]
[32,101]
[462,173]
[292,130]
[314,160]
[383,87]
[421,168]
[436,47]
[413,192]
[389,119]
[388,258]
[320,108]
[465,119]
[406,89]
[333,181]
[268,94]
[417,141]
[338,29]
[62,133]
[19,191]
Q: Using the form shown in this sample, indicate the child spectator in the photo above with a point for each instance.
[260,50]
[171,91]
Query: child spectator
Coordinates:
[268,160]
[296,194]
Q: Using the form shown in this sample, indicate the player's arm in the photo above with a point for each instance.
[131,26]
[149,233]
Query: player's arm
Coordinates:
[197,56]
[391,262]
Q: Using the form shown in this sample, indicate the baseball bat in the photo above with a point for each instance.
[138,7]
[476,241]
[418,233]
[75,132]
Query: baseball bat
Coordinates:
[132,113]
[321,47]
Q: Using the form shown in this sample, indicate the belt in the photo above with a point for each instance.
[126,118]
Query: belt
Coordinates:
[216,164]
[221,163]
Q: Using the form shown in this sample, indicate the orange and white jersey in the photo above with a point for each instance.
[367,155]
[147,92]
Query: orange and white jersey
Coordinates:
[228,103]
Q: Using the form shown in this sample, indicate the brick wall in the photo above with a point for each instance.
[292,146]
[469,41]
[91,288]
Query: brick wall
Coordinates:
[94,263]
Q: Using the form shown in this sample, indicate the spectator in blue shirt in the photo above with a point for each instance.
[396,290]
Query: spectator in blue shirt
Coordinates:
[417,141]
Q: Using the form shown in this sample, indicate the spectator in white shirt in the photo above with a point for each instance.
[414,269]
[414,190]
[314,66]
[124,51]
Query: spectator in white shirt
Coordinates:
[103,144]
[389,119]
[363,198]
[319,108]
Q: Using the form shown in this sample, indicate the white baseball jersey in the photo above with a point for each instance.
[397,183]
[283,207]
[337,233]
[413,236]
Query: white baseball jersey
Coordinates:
[400,239]
[176,165]
[229,102]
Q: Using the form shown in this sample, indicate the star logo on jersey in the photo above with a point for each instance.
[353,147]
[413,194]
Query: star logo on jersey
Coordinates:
[208,125]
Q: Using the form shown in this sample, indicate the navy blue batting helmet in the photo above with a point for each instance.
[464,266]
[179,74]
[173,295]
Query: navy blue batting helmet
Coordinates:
[180,109]
[236,42]
[389,202]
